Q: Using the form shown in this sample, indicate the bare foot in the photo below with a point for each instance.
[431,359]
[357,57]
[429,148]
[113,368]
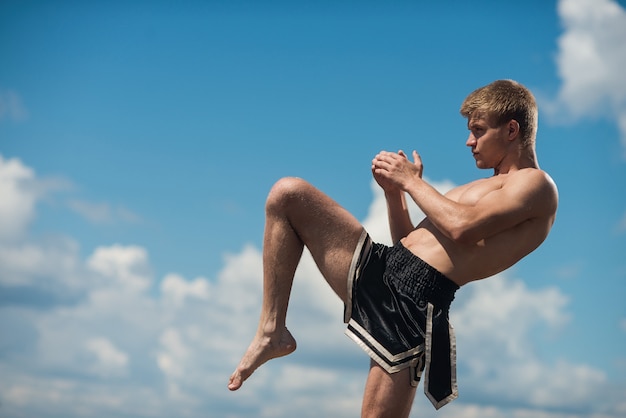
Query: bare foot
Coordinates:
[262,349]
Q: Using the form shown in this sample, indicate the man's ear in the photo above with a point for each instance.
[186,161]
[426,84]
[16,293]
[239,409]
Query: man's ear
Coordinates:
[513,127]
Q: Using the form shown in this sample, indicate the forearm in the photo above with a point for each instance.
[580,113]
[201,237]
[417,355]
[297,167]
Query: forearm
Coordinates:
[400,224]
[446,215]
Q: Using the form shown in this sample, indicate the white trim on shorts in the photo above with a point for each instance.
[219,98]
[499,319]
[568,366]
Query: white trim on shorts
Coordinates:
[353,273]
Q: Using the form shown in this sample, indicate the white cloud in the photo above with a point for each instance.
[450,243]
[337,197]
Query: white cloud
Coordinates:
[176,289]
[109,360]
[26,263]
[102,213]
[591,61]
[129,346]
[571,270]
[128,266]
[17,206]
[174,354]
[501,320]
[12,107]
[465,410]
[21,189]
[22,261]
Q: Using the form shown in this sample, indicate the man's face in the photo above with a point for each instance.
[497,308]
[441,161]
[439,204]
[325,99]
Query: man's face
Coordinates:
[488,143]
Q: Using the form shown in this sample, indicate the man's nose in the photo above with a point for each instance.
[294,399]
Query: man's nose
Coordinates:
[471,140]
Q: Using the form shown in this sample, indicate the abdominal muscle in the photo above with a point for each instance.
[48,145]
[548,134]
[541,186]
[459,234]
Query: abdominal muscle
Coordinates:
[463,263]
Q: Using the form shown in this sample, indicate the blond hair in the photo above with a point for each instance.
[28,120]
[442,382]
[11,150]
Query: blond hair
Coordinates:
[501,101]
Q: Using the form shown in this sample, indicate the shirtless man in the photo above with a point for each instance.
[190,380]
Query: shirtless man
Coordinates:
[472,232]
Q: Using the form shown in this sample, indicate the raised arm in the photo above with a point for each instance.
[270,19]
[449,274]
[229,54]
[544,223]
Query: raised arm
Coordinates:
[524,195]
[400,224]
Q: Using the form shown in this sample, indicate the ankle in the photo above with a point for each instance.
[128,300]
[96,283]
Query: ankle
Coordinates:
[271,328]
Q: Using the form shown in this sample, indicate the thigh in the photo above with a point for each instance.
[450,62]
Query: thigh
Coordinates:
[387,395]
[328,230]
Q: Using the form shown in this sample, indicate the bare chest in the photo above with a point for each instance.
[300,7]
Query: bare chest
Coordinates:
[471,193]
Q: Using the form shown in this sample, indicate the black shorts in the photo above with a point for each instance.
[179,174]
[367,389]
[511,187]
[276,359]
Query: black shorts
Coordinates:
[397,311]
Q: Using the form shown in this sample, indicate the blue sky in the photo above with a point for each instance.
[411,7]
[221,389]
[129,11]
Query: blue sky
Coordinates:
[138,141]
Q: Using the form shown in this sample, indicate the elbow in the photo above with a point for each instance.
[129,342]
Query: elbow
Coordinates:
[460,227]
[458,237]
[461,234]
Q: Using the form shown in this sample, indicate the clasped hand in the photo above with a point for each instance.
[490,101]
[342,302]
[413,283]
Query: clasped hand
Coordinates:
[393,171]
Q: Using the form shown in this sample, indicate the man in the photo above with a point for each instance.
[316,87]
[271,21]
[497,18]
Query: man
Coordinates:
[397,298]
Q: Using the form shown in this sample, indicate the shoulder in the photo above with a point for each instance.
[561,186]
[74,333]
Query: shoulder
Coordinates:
[536,186]
[533,178]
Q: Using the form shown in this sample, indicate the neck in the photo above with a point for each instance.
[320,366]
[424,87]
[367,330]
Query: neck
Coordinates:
[522,158]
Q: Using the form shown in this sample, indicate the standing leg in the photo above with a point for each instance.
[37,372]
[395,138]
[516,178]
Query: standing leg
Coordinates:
[297,215]
[387,395]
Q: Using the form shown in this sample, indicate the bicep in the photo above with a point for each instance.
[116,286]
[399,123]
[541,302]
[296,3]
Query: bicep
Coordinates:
[518,200]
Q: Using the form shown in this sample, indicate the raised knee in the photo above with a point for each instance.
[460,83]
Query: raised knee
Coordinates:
[285,192]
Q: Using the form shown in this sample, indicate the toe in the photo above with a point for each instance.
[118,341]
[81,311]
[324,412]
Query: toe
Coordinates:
[235,381]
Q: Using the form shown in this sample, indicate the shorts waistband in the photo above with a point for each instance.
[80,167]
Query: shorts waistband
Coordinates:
[418,279]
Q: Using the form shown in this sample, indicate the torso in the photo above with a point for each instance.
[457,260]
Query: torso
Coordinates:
[464,263]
